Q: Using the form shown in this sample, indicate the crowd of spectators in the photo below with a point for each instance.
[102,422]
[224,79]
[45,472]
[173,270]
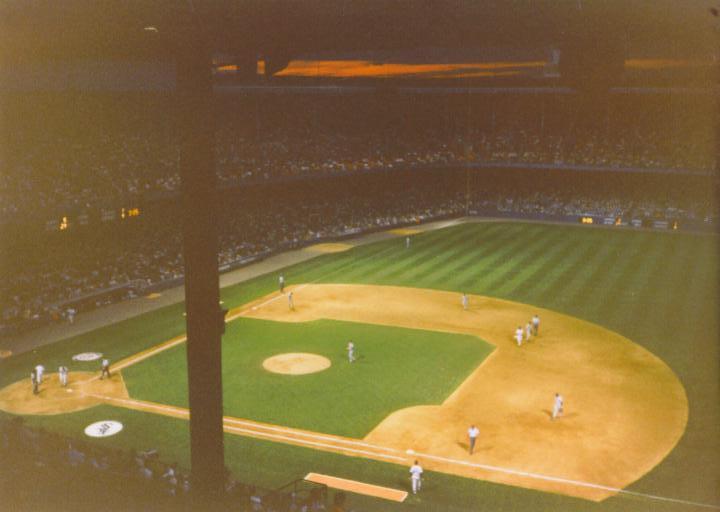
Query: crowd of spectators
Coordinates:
[44,470]
[149,255]
[64,173]
[37,292]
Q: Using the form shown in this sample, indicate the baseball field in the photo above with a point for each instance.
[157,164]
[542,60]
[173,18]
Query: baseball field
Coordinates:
[628,335]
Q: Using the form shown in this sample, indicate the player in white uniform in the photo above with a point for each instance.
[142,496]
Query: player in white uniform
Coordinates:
[407,242]
[291,303]
[465,301]
[39,371]
[557,406]
[416,477]
[281,283]
[105,369]
[519,335]
[535,324]
[63,375]
[528,331]
[473,433]
[351,351]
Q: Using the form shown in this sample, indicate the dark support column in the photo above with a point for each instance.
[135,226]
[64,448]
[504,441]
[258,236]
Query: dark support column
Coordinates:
[204,317]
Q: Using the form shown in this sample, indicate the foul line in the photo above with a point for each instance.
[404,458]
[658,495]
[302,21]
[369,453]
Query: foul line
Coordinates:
[255,429]
[578,483]
[141,356]
[129,361]
[341,444]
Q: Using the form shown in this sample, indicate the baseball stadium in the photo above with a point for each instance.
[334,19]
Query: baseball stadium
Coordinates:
[345,269]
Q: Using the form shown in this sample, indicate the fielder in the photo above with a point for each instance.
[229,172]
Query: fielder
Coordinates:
[465,301]
[39,371]
[535,324]
[519,335]
[105,370]
[351,351]
[557,406]
[528,331]
[291,303]
[407,242]
[34,382]
[416,477]
[281,282]
[63,374]
[473,433]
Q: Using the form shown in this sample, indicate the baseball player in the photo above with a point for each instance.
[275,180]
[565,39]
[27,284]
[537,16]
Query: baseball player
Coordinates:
[39,371]
[291,303]
[473,433]
[281,282]
[557,406]
[105,369]
[528,331]
[416,477]
[465,301]
[519,335]
[63,374]
[34,382]
[407,242]
[351,351]
[535,324]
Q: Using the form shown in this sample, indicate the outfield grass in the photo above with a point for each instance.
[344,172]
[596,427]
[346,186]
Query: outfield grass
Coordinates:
[396,368]
[658,289]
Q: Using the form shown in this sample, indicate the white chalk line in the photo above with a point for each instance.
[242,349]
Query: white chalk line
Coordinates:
[255,430]
[314,443]
[125,363]
[578,483]
[344,445]
[168,345]
[245,423]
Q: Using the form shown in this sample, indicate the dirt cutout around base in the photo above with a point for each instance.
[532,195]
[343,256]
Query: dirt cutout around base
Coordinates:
[405,231]
[625,409]
[53,398]
[296,363]
[329,248]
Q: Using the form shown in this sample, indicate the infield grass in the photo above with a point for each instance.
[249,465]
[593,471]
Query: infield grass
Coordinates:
[396,368]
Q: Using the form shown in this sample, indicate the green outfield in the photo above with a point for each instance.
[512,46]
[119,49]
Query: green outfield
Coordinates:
[659,289]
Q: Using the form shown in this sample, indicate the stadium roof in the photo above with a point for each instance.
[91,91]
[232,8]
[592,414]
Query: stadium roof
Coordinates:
[647,34]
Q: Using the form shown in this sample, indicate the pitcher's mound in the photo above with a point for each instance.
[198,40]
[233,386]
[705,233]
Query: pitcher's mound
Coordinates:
[296,363]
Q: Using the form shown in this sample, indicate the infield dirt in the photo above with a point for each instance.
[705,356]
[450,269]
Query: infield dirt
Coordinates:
[624,408]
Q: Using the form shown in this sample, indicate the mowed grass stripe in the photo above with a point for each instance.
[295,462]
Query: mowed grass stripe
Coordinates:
[703,268]
[645,288]
[594,269]
[354,265]
[519,252]
[411,269]
[531,256]
[616,291]
[485,263]
[331,264]
[552,294]
[496,259]
[459,273]
[537,271]
[465,276]
[370,267]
